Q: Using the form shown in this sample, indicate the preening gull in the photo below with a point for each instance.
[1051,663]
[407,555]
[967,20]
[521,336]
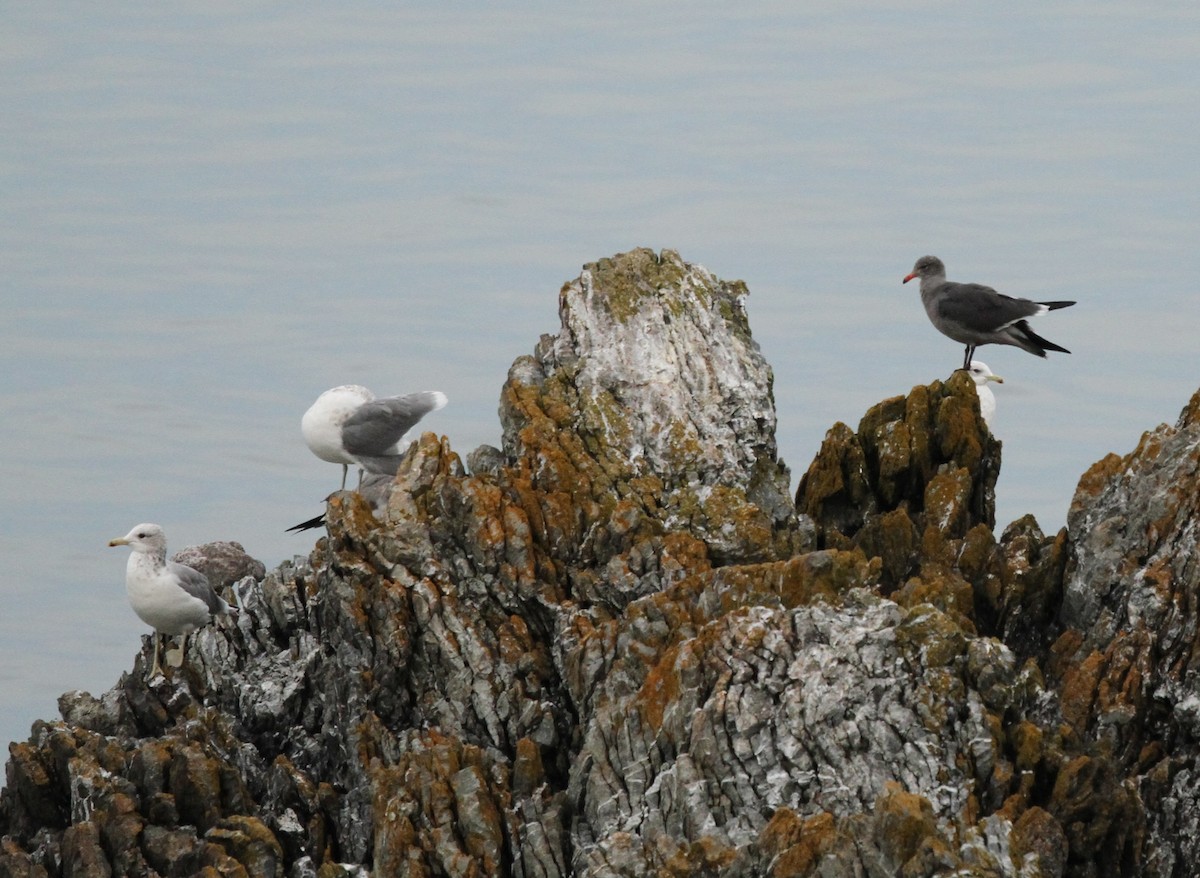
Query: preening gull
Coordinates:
[321,425]
[171,598]
[981,374]
[348,425]
[376,488]
[973,314]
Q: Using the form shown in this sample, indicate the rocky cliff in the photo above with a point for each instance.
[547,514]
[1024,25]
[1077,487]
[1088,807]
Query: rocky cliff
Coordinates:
[619,647]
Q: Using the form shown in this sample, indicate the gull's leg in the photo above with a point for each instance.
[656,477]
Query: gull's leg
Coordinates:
[360,478]
[345,469]
[970,352]
[155,667]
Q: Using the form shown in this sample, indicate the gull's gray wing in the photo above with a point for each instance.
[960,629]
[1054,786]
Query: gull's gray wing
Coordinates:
[196,584]
[376,489]
[376,426]
[981,309]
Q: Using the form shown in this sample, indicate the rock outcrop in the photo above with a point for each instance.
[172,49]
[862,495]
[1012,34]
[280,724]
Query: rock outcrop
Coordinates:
[618,647]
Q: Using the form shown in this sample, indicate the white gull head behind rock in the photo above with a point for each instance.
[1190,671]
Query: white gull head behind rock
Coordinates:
[981,374]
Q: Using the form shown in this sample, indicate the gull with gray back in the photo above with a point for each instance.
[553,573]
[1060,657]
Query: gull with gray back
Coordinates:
[349,425]
[974,315]
[171,598]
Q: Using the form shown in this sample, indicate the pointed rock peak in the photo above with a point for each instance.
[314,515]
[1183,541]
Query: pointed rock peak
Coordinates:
[653,387]
[626,285]
[1190,416]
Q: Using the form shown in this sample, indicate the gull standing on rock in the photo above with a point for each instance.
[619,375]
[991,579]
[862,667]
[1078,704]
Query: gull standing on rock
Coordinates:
[973,314]
[171,598]
[348,425]
[981,375]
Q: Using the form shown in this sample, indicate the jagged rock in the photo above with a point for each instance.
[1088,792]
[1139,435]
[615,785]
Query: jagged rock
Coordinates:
[852,695]
[615,647]
[223,562]
[106,714]
[82,854]
[486,460]
[918,474]
[652,411]
[1020,597]
[1126,664]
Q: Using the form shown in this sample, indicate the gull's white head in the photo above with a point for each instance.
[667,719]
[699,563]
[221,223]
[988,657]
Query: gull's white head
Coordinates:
[143,538]
[980,372]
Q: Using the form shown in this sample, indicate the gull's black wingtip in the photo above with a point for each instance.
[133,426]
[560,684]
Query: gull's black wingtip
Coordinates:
[312,523]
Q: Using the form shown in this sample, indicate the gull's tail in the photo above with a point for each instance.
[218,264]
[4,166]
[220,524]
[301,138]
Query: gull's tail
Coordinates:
[1028,340]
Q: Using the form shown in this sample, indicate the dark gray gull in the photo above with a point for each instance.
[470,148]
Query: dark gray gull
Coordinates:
[973,314]
[171,598]
[981,375]
[376,488]
[348,425]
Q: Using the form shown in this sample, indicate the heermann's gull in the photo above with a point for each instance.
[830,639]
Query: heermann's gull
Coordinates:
[981,374]
[973,314]
[171,598]
[349,425]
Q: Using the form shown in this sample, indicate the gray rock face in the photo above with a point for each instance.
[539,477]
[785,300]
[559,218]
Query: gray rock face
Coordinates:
[668,378]
[661,380]
[1137,520]
[818,709]
[1129,653]
[615,648]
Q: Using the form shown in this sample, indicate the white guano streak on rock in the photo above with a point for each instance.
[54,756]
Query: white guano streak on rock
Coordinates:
[672,372]
[849,716]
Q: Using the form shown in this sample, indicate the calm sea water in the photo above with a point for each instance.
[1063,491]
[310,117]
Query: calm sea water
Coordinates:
[210,215]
